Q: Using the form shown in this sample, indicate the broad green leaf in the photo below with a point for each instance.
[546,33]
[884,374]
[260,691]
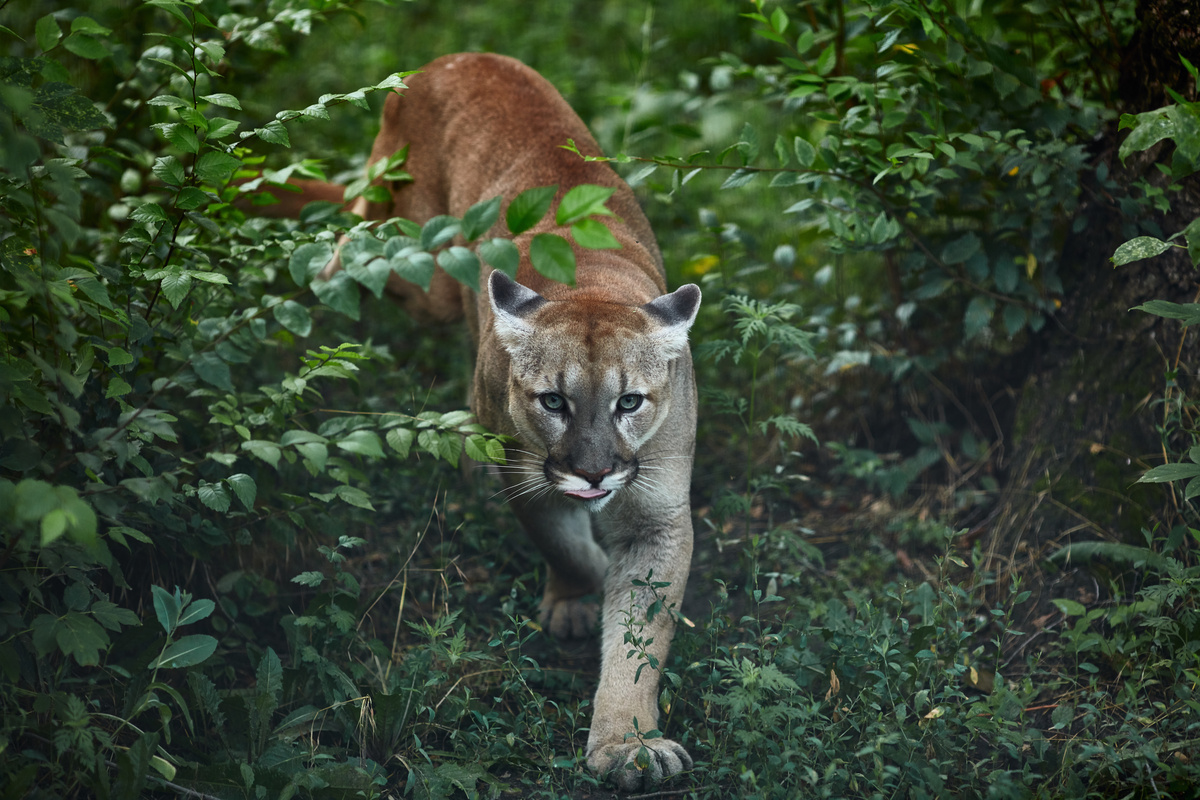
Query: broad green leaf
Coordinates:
[339,293]
[307,261]
[528,208]
[582,202]
[80,637]
[210,368]
[216,167]
[187,652]
[267,451]
[47,32]
[827,60]
[1139,248]
[502,254]
[962,248]
[294,317]
[175,284]
[214,496]
[365,443]
[416,267]
[460,264]
[439,231]
[355,497]
[400,440]
[86,46]
[222,99]
[1071,608]
[244,487]
[166,608]
[169,170]
[552,256]
[480,218]
[979,314]
[1149,129]
[594,235]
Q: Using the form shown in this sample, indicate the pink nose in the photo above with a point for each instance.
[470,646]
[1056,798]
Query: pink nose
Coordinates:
[593,477]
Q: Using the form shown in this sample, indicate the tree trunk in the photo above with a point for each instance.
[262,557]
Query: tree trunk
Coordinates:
[1089,412]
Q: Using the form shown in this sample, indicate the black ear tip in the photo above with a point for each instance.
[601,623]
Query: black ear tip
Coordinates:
[498,281]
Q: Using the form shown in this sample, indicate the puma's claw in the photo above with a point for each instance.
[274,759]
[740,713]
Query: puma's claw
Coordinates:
[638,765]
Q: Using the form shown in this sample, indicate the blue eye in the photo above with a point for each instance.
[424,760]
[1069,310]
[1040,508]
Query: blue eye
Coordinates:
[629,402]
[554,403]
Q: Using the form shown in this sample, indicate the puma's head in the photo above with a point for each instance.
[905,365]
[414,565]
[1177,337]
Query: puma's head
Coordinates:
[590,386]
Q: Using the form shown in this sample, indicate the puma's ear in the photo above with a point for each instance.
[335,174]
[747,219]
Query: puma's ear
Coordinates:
[675,313]
[512,304]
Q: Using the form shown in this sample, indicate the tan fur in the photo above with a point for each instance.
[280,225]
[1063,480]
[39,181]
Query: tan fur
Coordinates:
[478,126]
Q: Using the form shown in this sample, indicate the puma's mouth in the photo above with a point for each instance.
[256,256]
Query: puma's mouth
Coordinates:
[588,494]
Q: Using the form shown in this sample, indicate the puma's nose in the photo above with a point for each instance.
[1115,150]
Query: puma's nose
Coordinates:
[593,478]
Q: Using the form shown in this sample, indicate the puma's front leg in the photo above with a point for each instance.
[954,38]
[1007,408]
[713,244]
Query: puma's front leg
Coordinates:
[576,565]
[627,701]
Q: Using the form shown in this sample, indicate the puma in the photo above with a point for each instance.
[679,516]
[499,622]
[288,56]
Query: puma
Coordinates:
[593,381]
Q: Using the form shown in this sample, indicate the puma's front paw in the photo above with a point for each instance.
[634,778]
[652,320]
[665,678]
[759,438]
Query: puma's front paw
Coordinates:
[637,765]
[568,618]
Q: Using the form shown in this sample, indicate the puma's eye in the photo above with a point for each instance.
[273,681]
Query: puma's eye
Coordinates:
[554,403]
[629,402]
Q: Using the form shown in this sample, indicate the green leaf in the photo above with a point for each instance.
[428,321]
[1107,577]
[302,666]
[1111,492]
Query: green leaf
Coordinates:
[1069,607]
[222,99]
[187,652]
[979,314]
[1189,313]
[210,368]
[1170,472]
[1139,248]
[400,440]
[552,256]
[244,487]
[1149,129]
[214,496]
[806,154]
[47,33]
[582,202]
[339,293]
[267,451]
[216,167]
[196,611]
[307,261]
[166,608]
[827,60]
[528,208]
[962,248]
[415,267]
[169,170]
[294,317]
[86,46]
[365,443]
[175,284]
[355,497]
[439,231]
[595,235]
[80,637]
[480,218]
[460,264]
[502,254]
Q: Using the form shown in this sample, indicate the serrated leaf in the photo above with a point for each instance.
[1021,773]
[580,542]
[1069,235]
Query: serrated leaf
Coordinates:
[214,496]
[582,202]
[169,170]
[552,256]
[1139,248]
[267,451]
[962,248]
[528,208]
[244,487]
[400,440]
[216,167]
[80,637]
[355,497]
[222,99]
[480,218]
[978,315]
[806,154]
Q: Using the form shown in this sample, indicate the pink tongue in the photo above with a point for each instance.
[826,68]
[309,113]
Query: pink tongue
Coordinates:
[586,494]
